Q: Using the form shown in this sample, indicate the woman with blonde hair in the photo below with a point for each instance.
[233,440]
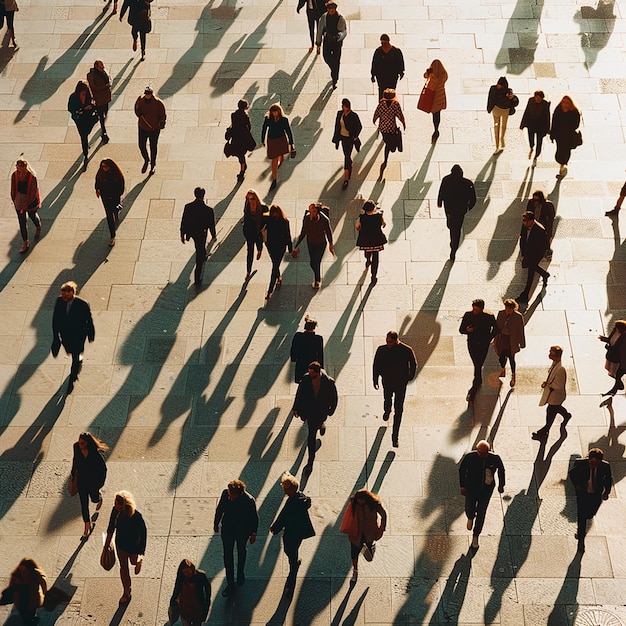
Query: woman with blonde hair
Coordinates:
[565,123]
[27,590]
[437,76]
[26,199]
[510,338]
[279,138]
[386,112]
[130,538]
[253,212]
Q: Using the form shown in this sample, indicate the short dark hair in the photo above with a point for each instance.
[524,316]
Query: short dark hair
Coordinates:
[384,37]
[346,103]
[528,216]
[315,366]
[596,453]
[393,334]
[242,105]
[540,94]
[479,302]
[199,192]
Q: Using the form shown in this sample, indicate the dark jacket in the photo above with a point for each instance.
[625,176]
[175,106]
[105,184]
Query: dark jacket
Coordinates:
[313,409]
[536,117]
[498,98]
[138,14]
[371,235]
[90,470]
[546,215]
[564,126]
[533,244]
[387,64]
[396,364]
[278,233]
[32,190]
[150,113]
[203,591]
[485,327]
[317,11]
[100,85]
[579,475]
[276,129]
[473,471]
[110,187]
[456,194]
[353,125]
[315,231]
[130,532]
[615,353]
[73,328]
[83,117]
[306,347]
[294,518]
[241,140]
[198,217]
[238,517]
[253,222]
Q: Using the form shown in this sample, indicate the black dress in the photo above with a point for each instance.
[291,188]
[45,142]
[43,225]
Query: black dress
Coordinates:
[371,237]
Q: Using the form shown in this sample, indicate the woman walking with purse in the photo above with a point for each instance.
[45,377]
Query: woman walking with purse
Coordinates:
[109,188]
[253,211]
[139,20]
[26,200]
[371,238]
[436,77]
[278,241]
[279,139]
[89,471]
[129,528]
[386,112]
[565,123]
[82,107]
[347,130]
[510,338]
[191,598]
[27,590]
[7,11]
[615,363]
[500,101]
[241,140]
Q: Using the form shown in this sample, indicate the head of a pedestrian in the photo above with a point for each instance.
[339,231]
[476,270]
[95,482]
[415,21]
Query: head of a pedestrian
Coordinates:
[309,324]
[148,92]
[314,211]
[555,353]
[389,94]
[567,104]
[364,497]
[538,197]
[186,569]
[276,112]
[502,83]
[595,457]
[314,370]
[99,65]
[276,213]
[539,96]
[331,7]
[510,306]
[235,489]
[346,106]
[290,484]
[483,448]
[528,219]
[125,502]
[242,105]
[478,306]
[457,171]
[369,206]
[385,44]
[82,91]
[620,326]
[252,200]
[68,291]
[391,339]
[199,193]
[22,168]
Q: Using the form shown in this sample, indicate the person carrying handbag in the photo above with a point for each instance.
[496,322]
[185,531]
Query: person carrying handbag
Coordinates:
[433,96]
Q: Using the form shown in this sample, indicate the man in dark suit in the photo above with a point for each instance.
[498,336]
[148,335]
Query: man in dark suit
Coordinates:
[71,325]
[533,243]
[395,362]
[458,196]
[198,218]
[592,480]
[387,65]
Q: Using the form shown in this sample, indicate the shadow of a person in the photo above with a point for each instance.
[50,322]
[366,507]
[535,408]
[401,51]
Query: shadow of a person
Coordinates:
[450,604]
[592,43]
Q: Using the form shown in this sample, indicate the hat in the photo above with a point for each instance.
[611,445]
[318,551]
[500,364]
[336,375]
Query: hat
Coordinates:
[148,89]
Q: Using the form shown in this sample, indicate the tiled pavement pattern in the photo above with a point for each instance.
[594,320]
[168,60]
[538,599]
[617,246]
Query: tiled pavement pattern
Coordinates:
[191,389]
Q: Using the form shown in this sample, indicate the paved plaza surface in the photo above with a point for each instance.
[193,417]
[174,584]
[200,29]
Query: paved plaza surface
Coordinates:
[192,388]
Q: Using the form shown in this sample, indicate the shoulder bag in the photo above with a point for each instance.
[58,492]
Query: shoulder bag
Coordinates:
[426,99]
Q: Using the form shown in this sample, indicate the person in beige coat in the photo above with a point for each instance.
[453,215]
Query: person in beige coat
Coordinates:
[437,76]
[554,393]
[510,338]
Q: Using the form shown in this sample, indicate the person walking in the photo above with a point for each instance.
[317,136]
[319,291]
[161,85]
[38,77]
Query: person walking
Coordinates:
[371,238]
[26,591]
[90,472]
[365,522]
[436,77]
[347,130]
[139,20]
[279,138]
[387,65]
[480,327]
[109,187]
[253,212]
[533,242]
[458,196]
[241,140]
[72,324]
[295,523]
[554,393]
[26,200]
[395,363]
[500,101]
[386,112]
[278,241]
[332,29]
[236,512]
[306,347]
[317,231]
[198,219]
[614,212]
[151,118]
[100,85]
[615,362]
[510,338]
[536,119]
[7,11]
[477,475]
[129,528]
[592,480]
[544,213]
[82,107]
[316,400]
[565,123]
[314,10]
[191,598]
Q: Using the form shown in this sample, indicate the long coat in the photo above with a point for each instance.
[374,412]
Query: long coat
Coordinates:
[533,245]
[554,392]
[367,522]
[516,339]
[74,327]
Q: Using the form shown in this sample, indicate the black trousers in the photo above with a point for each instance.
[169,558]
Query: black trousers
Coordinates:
[291,546]
[531,140]
[276,254]
[332,57]
[102,111]
[110,209]
[153,137]
[252,243]
[476,504]
[374,259]
[312,18]
[347,143]
[85,492]
[454,222]
[386,82]
[504,355]
[531,275]
[228,543]
[563,153]
[142,37]
[77,364]
[587,505]
[21,218]
[398,406]
[311,440]
[478,354]
[552,410]
[316,252]
[199,241]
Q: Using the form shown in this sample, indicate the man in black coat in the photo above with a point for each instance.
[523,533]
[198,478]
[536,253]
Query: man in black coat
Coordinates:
[387,65]
[237,513]
[592,480]
[457,196]
[314,10]
[477,475]
[198,218]
[533,243]
[316,399]
[71,325]
[395,362]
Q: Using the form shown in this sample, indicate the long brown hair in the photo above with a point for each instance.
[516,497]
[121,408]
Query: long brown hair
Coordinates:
[114,172]
[93,443]
[371,499]
[81,86]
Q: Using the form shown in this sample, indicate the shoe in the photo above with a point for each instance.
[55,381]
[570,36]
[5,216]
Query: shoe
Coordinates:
[279,281]
[37,232]
[470,396]
[530,152]
[308,468]
[85,163]
[475,545]
[151,173]
[322,430]
[334,86]
[395,442]
[99,505]
[273,185]
[144,169]
[610,392]
[607,402]
[268,295]
[470,523]
[344,185]
[111,242]
[143,56]
[105,139]
[125,599]
[612,213]
[138,566]
[355,576]
[452,255]
[512,383]
[241,579]
[310,48]
[258,254]
[382,169]
[502,373]
[228,591]
[134,44]
[87,531]
[240,177]
[368,262]
[114,12]
[434,137]
[317,284]
[386,416]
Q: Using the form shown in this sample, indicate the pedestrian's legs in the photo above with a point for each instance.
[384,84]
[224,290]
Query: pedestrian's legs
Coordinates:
[551,411]
[123,558]
[77,364]
[110,210]
[316,252]
[102,110]
[496,126]
[241,557]
[531,137]
[512,362]
[481,509]
[134,34]
[142,39]
[200,243]
[35,219]
[375,261]
[312,19]
[153,136]
[250,244]
[84,141]
[228,545]
[563,153]
[332,57]
[143,140]
[346,145]
[291,548]
[83,496]
[387,398]
[581,516]
[478,355]
[436,120]
[21,218]
[539,144]
[276,254]
[311,442]
[503,122]
[455,224]
[387,152]
[471,501]
[398,409]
